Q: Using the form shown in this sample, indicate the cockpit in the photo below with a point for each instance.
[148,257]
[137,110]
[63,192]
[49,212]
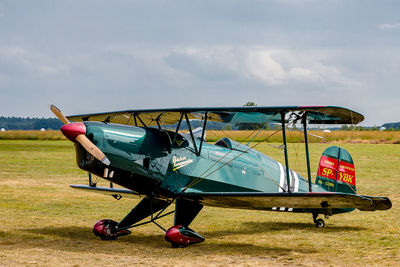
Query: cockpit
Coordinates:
[224,142]
[231,144]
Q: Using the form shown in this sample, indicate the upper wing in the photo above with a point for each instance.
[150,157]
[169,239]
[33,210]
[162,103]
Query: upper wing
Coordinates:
[261,201]
[152,117]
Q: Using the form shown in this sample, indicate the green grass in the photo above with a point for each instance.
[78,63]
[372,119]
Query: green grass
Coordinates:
[44,222]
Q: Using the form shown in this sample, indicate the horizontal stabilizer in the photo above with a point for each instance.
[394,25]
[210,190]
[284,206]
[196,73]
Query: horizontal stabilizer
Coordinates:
[260,201]
[379,203]
[114,192]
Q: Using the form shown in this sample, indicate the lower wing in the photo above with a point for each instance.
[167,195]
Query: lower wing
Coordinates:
[260,200]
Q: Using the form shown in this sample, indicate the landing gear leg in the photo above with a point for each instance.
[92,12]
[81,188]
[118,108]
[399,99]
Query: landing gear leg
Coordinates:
[111,230]
[318,222]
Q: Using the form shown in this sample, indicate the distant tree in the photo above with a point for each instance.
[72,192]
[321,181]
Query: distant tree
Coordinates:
[14,123]
[250,104]
[345,127]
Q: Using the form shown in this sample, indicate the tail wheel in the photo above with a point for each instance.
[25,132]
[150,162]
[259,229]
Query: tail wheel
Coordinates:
[320,223]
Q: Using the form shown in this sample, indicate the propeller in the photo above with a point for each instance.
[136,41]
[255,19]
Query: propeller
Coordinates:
[76,131]
[59,114]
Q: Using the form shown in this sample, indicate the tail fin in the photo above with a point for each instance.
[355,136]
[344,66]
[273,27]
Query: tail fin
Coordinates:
[336,171]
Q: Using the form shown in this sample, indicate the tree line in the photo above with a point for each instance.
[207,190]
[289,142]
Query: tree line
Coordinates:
[16,123]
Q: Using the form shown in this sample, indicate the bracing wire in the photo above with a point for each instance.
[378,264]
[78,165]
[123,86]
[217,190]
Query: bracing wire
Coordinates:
[200,178]
[215,163]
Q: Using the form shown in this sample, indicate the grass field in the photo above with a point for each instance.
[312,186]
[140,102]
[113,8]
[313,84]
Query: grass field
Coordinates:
[44,222]
[293,136]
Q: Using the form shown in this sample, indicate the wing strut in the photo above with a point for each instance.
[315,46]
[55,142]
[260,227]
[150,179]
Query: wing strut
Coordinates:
[158,120]
[304,121]
[91,184]
[177,128]
[204,130]
[286,153]
[158,124]
[191,134]
[137,116]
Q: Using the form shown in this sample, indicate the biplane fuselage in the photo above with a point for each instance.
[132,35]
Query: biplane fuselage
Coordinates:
[168,167]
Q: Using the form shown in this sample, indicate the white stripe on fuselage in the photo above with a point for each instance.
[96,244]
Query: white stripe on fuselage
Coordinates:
[282,186]
[282,178]
[296,182]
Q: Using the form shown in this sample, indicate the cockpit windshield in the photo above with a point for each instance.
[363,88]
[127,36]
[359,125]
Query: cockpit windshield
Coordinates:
[231,144]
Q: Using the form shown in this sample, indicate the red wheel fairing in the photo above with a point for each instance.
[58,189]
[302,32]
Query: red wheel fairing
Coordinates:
[180,235]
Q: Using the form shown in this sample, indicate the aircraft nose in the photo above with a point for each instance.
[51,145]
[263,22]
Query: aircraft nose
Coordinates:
[72,130]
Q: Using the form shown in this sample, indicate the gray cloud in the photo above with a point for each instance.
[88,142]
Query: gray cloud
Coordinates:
[270,66]
[92,56]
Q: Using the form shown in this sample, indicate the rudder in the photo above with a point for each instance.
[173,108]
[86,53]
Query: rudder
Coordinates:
[336,171]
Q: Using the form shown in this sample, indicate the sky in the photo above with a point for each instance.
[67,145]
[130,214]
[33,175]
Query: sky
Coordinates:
[89,56]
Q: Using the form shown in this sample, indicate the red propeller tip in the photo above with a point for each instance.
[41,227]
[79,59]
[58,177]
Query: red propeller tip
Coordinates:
[72,130]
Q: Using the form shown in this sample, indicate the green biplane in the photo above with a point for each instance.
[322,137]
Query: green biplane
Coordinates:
[135,150]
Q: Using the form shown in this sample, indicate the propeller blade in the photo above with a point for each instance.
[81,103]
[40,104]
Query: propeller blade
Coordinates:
[92,149]
[59,114]
[76,132]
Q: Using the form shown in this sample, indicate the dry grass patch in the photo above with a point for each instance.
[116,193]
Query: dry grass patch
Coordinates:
[32,135]
[46,223]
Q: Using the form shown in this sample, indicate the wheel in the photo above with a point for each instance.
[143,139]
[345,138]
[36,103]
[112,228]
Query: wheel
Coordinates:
[320,223]
[104,229]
